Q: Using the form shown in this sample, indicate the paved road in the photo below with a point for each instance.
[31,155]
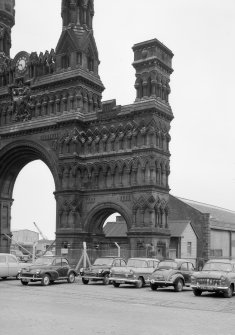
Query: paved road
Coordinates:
[64,308]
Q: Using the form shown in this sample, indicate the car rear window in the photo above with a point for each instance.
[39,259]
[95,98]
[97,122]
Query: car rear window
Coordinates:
[137,263]
[217,266]
[3,259]
[167,265]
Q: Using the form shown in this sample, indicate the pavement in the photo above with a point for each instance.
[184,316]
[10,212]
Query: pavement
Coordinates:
[64,308]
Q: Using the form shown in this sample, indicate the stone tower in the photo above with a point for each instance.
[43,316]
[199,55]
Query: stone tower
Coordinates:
[104,158]
[7,21]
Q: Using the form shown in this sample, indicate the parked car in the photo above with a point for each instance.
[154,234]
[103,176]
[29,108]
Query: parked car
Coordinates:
[100,270]
[217,275]
[9,266]
[136,272]
[172,272]
[48,269]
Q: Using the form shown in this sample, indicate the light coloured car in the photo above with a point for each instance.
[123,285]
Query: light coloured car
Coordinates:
[9,266]
[135,272]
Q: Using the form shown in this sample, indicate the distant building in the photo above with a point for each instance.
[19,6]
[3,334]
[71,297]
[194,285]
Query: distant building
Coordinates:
[25,238]
[198,231]
[183,241]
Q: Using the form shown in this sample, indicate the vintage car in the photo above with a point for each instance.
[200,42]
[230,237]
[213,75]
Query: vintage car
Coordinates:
[172,272]
[217,275]
[48,269]
[9,266]
[100,270]
[136,272]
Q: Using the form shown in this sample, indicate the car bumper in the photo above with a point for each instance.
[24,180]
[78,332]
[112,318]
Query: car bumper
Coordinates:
[209,288]
[161,282]
[124,280]
[96,278]
[33,278]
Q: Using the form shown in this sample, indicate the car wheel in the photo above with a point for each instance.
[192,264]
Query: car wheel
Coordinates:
[23,282]
[45,280]
[153,287]
[197,292]
[85,281]
[229,292]
[116,284]
[71,278]
[106,279]
[178,285]
[140,282]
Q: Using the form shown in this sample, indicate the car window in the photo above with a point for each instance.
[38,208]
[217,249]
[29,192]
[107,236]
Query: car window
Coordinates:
[3,259]
[137,263]
[155,264]
[116,262]
[190,267]
[184,267]
[11,259]
[150,264]
[123,263]
[57,262]
[64,262]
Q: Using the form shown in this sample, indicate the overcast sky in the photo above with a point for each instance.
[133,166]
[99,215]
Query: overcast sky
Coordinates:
[201,34]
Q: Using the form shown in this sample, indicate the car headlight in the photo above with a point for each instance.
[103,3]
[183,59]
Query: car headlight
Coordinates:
[81,270]
[38,272]
[193,280]
[100,271]
[223,280]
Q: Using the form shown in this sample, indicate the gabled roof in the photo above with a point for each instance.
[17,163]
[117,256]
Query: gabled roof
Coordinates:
[177,227]
[216,213]
[115,229]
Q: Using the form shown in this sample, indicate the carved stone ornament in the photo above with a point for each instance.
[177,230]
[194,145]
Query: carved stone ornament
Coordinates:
[3,62]
[21,102]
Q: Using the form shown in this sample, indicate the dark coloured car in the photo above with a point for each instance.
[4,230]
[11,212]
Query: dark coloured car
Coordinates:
[217,275]
[136,272]
[100,270]
[172,272]
[47,270]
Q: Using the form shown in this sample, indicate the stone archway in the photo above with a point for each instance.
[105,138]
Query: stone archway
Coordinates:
[99,153]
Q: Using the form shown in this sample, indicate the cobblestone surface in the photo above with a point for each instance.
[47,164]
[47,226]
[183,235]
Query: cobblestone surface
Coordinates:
[64,308]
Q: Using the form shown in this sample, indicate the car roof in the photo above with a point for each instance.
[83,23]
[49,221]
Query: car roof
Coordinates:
[145,259]
[5,254]
[177,260]
[222,260]
[110,257]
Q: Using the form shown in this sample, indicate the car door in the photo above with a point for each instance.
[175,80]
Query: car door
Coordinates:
[190,271]
[13,265]
[65,267]
[149,269]
[4,272]
[184,271]
[57,266]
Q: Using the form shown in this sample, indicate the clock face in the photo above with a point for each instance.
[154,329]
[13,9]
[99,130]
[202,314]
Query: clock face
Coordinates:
[21,64]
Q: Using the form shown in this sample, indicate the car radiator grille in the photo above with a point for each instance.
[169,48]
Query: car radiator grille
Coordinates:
[28,275]
[211,282]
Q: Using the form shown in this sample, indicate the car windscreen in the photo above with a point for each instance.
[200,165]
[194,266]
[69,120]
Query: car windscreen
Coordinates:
[217,266]
[103,261]
[44,261]
[137,263]
[167,265]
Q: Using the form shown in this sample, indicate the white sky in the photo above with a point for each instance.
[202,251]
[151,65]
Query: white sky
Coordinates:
[201,34]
